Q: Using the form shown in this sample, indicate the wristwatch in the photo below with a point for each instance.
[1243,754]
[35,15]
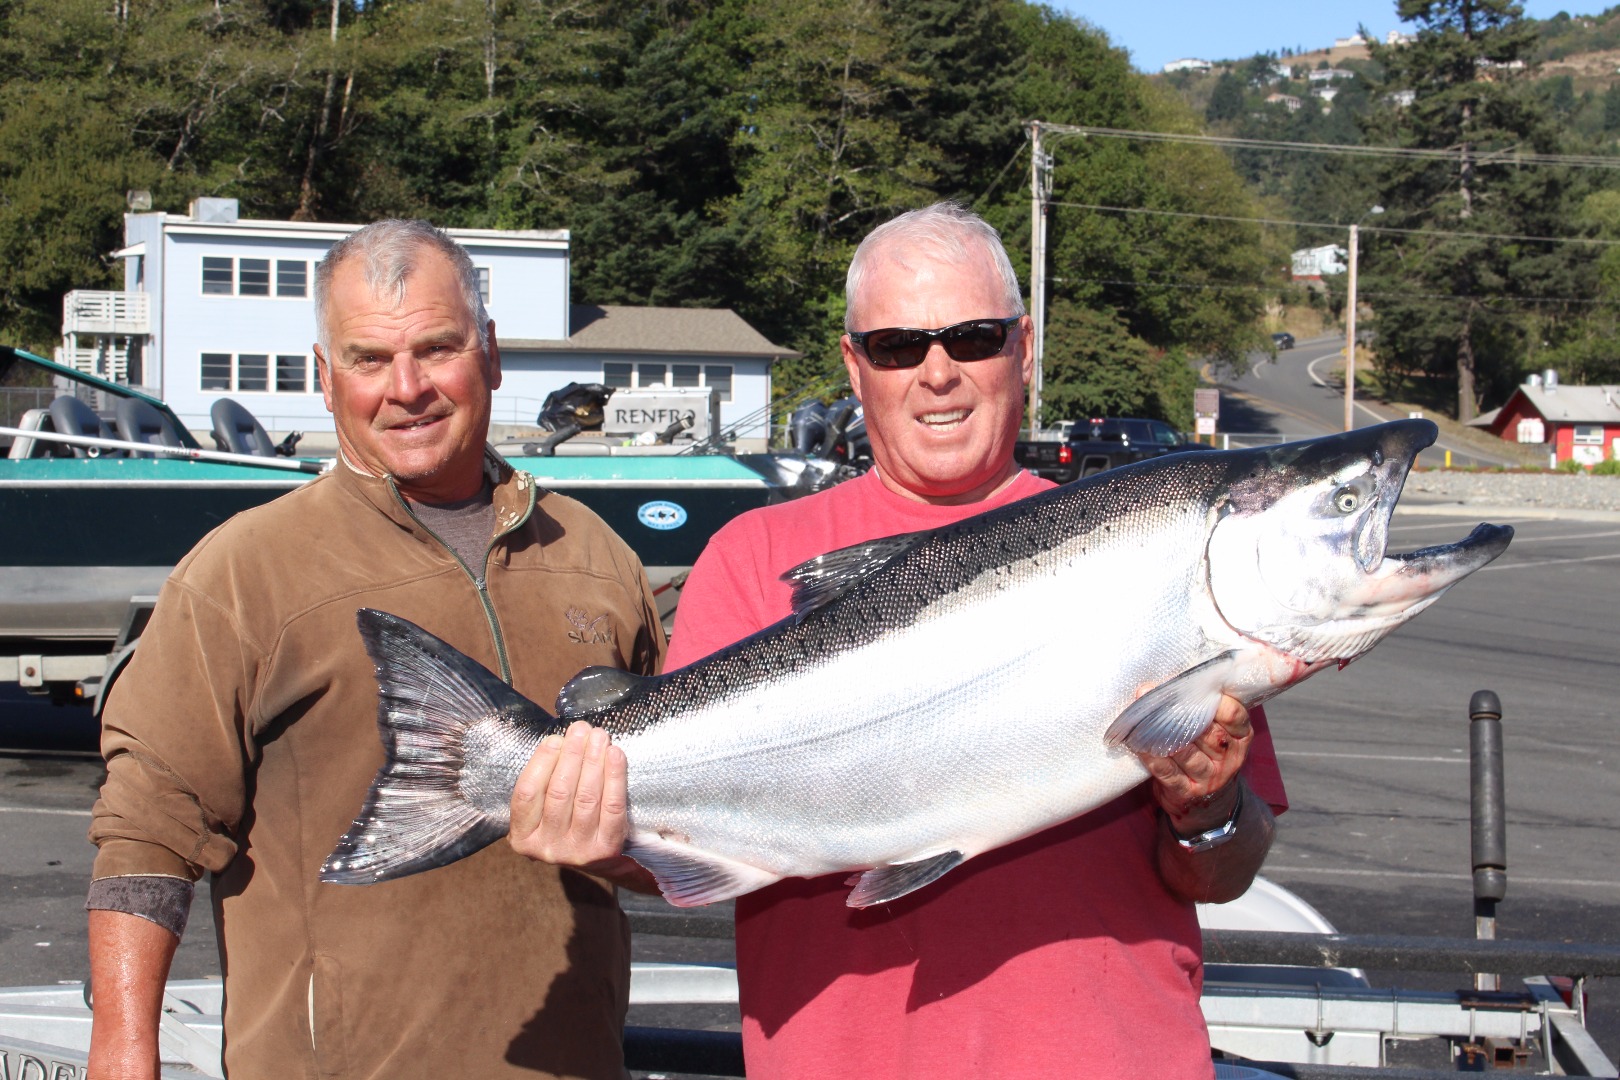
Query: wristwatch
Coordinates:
[1213,838]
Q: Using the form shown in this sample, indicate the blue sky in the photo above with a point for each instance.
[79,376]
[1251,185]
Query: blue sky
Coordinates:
[1158,31]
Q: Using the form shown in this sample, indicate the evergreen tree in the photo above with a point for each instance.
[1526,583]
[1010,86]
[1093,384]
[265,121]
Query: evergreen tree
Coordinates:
[1226,102]
[1432,289]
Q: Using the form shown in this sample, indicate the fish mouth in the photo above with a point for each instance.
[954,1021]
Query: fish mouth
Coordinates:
[1439,567]
[1400,588]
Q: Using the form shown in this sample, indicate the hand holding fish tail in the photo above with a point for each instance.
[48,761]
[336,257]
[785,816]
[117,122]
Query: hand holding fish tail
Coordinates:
[570,807]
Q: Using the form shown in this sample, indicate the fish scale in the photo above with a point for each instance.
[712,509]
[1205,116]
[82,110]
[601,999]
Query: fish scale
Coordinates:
[924,703]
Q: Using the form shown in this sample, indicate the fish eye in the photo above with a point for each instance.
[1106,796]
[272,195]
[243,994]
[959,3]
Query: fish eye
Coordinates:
[1346,500]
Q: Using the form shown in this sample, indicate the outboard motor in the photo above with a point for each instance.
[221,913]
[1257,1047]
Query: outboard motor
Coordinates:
[857,448]
[578,405]
[807,430]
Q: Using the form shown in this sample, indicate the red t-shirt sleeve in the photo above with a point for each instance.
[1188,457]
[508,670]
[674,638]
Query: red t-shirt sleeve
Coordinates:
[1260,769]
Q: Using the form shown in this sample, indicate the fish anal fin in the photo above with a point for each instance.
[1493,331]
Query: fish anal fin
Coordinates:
[1174,713]
[881,884]
[691,878]
[825,578]
[594,689]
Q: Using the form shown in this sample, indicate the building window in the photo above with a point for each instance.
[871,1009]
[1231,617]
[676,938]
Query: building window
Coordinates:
[292,374]
[1588,435]
[718,377]
[225,276]
[624,376]
[253,277]
[292,277]
[219,276]
[483,283]
[216,371]
[253,372]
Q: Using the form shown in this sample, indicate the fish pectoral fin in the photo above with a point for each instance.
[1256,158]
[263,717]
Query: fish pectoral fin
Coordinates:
[825,578]
[593,690]
[1174,713]
[690,878]
[881,884]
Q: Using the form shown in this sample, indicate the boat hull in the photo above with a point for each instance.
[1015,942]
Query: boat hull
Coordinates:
[82,537]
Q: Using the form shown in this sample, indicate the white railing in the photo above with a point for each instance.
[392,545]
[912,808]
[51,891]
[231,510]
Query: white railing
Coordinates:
[93,311]
[107,359]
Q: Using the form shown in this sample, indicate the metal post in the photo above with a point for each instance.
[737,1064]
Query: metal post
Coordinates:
[1040,186]
[1350,338]
[1487,818]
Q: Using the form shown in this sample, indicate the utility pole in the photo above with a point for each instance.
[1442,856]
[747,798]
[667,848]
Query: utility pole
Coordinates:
[1040,190]
[1350,338]
[1350,322]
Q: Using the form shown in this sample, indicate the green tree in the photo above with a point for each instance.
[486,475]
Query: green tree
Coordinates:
[1433,286]
[1611,109]
[1226,102]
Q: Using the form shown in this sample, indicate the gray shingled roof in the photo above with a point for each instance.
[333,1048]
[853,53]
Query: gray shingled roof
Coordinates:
[1576,404]
[623,329]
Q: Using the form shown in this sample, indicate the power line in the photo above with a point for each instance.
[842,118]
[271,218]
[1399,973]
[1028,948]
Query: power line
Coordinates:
[1511,156]
[1294,286]
[1436,233]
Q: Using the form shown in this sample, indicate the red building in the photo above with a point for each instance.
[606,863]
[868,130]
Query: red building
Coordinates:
[1573,423]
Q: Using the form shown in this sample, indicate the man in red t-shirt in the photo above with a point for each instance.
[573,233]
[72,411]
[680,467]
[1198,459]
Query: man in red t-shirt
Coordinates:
[1073,950]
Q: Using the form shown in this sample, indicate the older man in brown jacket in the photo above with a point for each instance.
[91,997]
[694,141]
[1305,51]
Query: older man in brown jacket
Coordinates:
[242,738]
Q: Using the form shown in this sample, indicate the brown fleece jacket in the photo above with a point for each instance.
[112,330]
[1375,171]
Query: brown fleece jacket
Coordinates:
[243,738]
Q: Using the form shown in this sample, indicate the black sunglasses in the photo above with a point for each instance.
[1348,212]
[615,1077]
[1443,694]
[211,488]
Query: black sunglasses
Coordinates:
[905,347]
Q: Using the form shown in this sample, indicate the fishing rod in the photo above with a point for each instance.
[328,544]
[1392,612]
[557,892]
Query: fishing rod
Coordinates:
[287,464]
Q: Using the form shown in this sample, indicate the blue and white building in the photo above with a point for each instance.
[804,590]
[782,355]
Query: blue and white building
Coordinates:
[215,306]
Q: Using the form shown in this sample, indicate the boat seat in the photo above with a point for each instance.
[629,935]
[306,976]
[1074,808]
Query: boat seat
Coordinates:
[70,416]
[237,431]
[139,422]
[23,447]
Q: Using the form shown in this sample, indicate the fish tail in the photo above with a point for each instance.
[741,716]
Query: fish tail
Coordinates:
[419,814]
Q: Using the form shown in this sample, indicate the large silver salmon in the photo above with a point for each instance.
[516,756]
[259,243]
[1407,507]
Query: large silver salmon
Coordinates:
[854,736]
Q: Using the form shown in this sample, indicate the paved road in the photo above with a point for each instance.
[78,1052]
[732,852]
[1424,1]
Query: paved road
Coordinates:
[1374,756]
[1300,395]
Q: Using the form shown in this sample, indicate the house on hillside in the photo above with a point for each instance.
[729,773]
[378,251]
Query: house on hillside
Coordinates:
[214,306]
[1187,64]
[1574,423]
[1287,101]
[1312,264]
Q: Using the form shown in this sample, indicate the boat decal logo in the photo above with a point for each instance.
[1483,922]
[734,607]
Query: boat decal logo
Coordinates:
[661,515]
[588,631]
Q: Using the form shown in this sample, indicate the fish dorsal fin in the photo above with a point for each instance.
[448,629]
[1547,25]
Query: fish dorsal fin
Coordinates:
[881,884]
[688,877]
[593,690]
[825,578]
[1174,713]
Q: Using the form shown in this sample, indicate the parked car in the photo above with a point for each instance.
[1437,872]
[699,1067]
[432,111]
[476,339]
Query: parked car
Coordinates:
[1091,446]
[1284,340]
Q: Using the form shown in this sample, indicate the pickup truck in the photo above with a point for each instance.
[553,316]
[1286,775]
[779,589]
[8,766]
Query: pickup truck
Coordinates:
[1086,447]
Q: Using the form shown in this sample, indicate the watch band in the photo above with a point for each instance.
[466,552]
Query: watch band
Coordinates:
[1213,838]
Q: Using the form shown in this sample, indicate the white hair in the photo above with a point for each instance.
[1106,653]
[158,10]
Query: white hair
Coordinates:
[946,232]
